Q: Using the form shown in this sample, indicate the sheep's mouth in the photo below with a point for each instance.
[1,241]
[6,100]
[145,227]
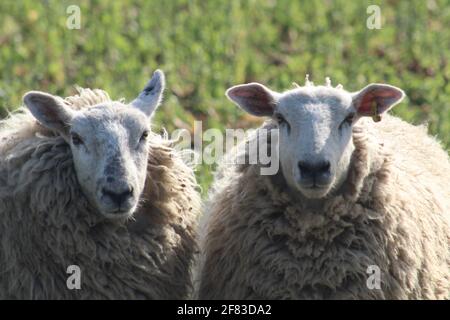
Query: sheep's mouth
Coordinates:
[118,214]
[316,188]
[315,184]
[315,191]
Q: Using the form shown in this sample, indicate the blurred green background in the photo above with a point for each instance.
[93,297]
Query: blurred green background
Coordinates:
[206,46]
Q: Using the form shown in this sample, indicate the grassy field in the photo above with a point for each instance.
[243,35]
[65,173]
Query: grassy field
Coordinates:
[206,46]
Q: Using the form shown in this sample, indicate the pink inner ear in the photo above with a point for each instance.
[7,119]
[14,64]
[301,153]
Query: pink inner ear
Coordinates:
[383,98]
[252,93]
[254,99]
[366,104]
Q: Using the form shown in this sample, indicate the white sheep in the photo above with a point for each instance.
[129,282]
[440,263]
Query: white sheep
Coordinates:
[359,210]
[89,187]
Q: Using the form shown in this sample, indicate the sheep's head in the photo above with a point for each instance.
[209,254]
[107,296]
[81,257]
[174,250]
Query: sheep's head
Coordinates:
[108,143]
[315,128]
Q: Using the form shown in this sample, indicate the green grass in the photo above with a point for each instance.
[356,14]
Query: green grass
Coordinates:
[206,46]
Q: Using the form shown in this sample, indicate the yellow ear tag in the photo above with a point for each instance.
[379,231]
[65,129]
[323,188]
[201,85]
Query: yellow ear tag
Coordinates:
[375,116]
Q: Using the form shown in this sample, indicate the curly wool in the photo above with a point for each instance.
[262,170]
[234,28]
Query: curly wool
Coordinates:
[46,223]
[261,241]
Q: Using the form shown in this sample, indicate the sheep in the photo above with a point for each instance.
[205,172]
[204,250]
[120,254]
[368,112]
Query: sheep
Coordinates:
[88,191]
[359,209]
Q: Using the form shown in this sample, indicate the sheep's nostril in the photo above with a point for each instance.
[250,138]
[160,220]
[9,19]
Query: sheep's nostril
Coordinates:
[325,167]
[314,168]
[127,193]
[118,197]
[306,168]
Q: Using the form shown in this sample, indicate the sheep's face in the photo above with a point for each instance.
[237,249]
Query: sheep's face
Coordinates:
[315,128]
[315,138]
[109,148]
[108,143]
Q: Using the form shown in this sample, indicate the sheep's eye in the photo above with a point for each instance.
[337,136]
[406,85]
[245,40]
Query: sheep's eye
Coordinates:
[144,136]
[76,139]
[282,121]
[348,120]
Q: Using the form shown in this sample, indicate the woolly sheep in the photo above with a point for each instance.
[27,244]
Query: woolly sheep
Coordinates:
[90,185]
[353,197]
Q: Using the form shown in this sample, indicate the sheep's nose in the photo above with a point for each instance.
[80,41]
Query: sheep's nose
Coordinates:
[118,197]
[318,172]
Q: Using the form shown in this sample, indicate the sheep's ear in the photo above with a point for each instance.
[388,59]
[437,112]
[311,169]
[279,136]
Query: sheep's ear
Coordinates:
[376,99]
[50,111]
[150,98]
[254,98]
